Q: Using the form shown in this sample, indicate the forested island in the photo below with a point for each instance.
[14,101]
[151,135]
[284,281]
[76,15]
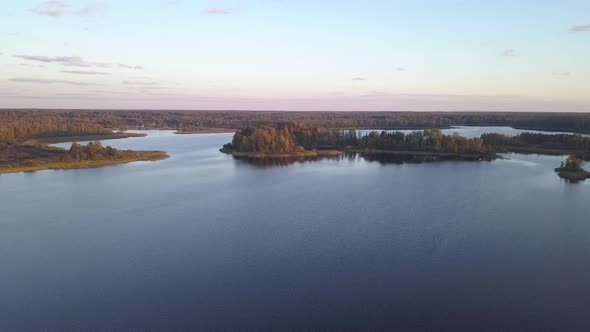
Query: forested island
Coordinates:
[34,156]
[289,140]
[300,141]
[572,169]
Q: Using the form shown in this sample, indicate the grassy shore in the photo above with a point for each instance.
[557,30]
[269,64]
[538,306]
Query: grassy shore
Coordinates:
[57,165]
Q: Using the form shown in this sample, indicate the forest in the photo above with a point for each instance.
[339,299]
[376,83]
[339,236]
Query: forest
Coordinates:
[291,139]
[23,124]
[556,144]
[288,139]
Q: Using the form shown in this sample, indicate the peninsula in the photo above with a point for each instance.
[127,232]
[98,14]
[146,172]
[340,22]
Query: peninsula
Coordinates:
[34,156]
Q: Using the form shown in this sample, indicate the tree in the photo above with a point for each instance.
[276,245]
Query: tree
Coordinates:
[573,164]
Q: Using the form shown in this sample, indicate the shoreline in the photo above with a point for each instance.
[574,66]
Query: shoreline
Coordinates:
[544,151]
[428,155]
[304,154]
[572,175]
[57,165]
[418,155]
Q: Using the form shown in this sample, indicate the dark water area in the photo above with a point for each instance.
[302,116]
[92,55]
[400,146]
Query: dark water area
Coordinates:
[205,242]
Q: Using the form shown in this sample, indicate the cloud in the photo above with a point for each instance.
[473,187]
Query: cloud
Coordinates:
[401,69]
[85,72]
[561,73]
[45,81]
[57,8]
[121,65]
[47,59]
[580,28]
[358,79]
[138,83]
[91,9]
[30,65]
[509,52]
[220,11]
[52,8]
[148,87]
[74,61]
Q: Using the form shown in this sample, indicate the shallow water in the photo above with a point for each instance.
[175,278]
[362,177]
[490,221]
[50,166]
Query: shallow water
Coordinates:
[201,241]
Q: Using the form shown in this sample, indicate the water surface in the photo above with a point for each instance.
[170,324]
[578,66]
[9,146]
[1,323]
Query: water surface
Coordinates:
[201,241]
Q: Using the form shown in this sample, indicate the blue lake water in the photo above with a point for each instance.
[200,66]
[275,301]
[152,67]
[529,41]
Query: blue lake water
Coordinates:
[202,242]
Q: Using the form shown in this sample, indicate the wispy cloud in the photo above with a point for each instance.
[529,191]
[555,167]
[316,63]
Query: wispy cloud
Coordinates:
[46,81]
[220,11]
[401,69]
[85,72]
[47,58]
[52,8]
[561,73]
[580,28]
[30,65]
[509,52]
[91,9]
[74,61]
[58,8]
[358,79]
[148,87]
[139,83]
[121,65]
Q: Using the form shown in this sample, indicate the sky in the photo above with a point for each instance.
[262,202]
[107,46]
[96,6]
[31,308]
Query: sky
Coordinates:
[301,55]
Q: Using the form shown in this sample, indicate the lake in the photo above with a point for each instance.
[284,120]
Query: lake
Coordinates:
[202,242]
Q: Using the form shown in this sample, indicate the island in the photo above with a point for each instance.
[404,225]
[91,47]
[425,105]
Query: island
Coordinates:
[572,169]
[288,140]
[32,156]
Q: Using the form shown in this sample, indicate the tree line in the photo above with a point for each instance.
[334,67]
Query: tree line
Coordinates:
[557,141]
[289,138]
[16,125]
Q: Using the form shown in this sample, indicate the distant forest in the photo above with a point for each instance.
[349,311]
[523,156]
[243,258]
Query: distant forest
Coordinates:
[19,125]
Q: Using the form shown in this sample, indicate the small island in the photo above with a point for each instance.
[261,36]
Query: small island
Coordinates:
[35,156]
[572,169]
[285,141]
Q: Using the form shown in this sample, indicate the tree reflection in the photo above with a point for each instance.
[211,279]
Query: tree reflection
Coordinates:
[266,162]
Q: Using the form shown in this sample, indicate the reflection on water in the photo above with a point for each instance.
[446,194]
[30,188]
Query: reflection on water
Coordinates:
[266,162]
